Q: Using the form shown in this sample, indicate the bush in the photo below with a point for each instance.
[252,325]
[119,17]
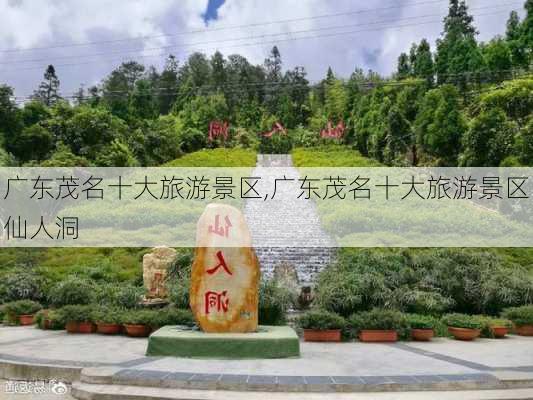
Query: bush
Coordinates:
[75,313]
[21,307]
[519,315]
[457,320]
[118,295]
[173,316]
[417,321]
[321,320]
[107,315]
[22,285]
[274,300]
[276,144]
[488,322]
[140,317]
[71,291]
[380,319]
[54,317]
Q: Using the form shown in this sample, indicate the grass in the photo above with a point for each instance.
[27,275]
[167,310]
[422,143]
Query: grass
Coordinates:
[216,158]
[331,156]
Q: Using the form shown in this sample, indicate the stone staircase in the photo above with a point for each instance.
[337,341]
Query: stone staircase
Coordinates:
[285,229]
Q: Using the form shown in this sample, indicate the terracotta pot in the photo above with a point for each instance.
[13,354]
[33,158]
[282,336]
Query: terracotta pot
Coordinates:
[72,327]
[524,330]
[86,327]
[328,335]
[108,329]
[367,335]
[26,319]
[422,335]
[499,331]
[464,333]
[136,330]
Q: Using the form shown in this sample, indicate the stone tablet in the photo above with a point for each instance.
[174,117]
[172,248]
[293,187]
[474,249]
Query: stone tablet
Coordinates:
[225,273]
[155,271]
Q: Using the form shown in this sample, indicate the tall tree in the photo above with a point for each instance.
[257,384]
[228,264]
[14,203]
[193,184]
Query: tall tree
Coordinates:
[404,67]
[458,58]
[218,70]
[10,119]
[117,87]
[423,66]
[273,77]
[168,85]
[48,91]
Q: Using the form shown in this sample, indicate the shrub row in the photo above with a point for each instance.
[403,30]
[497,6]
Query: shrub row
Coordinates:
[383,319]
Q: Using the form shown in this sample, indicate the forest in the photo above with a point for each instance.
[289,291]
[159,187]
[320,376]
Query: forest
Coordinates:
[458,101]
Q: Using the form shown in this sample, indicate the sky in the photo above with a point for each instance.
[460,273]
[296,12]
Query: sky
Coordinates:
[86,39]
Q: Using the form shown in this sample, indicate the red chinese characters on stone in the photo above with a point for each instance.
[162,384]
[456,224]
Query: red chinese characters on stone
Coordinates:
[330,131]
[218,128]
[216,301]
[221,264]
[276,128]
[219,229]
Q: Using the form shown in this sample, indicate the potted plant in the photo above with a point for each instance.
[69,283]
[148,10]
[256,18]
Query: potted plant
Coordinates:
[77,318]
[137,323]
[49,319]
[522,318]
[22,311]
[108,320]
[321,326]
[462,326]
[379,325]
[422,327]
[500,327]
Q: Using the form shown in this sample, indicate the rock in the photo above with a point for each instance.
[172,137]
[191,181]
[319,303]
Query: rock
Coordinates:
[225,273]
[155,271]
[287,276]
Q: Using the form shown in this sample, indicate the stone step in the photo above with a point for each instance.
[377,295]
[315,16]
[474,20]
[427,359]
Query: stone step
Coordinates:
[85,391]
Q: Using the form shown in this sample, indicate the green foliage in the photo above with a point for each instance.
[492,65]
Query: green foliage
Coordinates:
[54,318]
[331,156]
[173,316]
[457,320]
[63,157]
[488,323]
[519,315]
[321,320]
[274,301]
[216,158]
[200,111]
[76,313]
[278,143]
[118,295]
[140,317]
[20,284]
[417,321]
[117,154]
[33,143]
[379,319]
[21,307]
[489,139]
[70,291]
[107,315]
[440,124]
[524,144]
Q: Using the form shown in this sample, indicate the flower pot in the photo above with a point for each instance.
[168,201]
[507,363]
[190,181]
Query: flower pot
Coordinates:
[524,330]
[72,327]
[422,335]
[86,327]
[464,333]
[328,335]
[499,331]
[26,319]
[136,330]
[108,329]
[370,336]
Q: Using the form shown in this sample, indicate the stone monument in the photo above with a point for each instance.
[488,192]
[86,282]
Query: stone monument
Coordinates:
[225,273]
[155,272]
[224,295]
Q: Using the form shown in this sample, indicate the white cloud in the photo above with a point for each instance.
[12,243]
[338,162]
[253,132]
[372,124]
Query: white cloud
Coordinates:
[41,23]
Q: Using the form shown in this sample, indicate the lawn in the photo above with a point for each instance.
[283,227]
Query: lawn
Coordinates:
[331,156]
[216,158]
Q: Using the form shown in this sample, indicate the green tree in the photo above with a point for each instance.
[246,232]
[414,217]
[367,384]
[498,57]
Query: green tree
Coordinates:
[48,91]
[524,144]
[489,139]
[200,111]
[218,70]
[168,85]
[10,116]
[423,67]
[118,86]
[143,102]
[498,59]
[33,143]
[440,125]
[116,154]
[336,100]
[404,67]
[63,157]
[273,78]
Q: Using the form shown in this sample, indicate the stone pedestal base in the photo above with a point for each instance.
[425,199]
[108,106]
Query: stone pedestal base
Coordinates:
[268,342]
